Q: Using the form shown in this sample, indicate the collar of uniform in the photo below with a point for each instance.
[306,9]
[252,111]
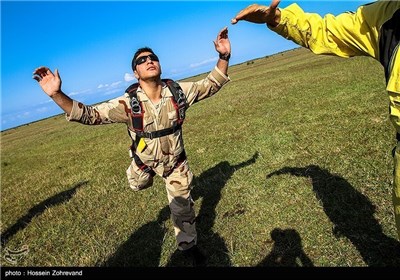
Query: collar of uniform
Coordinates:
[164,93]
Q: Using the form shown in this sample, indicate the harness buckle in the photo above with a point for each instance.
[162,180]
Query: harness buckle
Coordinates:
[135,106]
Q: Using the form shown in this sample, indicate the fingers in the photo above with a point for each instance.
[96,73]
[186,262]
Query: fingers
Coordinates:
[223,34]
[40,73]
[57,74]
[274,4]
[42,70]
[243,13]
[257,13]
[37,78]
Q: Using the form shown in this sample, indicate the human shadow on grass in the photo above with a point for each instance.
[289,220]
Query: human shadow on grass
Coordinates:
[24,221]
[143,247]
[287,250]
[351,213]
[209,186]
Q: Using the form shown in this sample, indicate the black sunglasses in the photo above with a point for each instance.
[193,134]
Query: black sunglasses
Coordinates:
[143,59]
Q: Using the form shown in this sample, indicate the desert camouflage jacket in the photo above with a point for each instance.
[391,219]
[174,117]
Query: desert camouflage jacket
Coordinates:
[164,149]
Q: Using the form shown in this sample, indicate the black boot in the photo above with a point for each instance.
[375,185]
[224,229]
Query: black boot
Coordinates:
[194,253]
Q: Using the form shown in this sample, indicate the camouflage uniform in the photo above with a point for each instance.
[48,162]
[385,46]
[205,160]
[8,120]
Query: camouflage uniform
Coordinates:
[160,154]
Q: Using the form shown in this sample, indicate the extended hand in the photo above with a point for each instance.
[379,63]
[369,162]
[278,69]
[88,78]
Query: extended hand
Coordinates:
[222,43]
[50,83]
[260,14]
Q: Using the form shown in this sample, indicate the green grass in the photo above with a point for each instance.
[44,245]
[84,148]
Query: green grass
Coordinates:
[292,164]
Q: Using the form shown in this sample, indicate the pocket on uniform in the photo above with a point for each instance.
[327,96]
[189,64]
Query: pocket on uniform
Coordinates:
[172,117]
[147,122]
[138,179]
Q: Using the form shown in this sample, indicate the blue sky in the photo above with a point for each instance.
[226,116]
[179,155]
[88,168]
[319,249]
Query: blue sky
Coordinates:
[92,44]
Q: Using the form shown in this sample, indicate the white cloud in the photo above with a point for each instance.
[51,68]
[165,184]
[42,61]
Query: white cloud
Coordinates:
[78,92]
[115,84]
[47,101]
[23,115]
[204,62]
[112,91]
[42,109]
[129,77]
[101,86]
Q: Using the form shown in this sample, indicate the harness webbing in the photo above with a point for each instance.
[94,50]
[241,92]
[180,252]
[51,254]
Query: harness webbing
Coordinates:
[180,104]
[159,133]
[143,166]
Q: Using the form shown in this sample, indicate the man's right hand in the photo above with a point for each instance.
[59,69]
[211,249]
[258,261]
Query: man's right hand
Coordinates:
[260,14]
[50,83]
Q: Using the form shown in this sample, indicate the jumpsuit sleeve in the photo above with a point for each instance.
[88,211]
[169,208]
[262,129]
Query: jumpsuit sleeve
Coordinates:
[346,35]
[196,91]
[113,111]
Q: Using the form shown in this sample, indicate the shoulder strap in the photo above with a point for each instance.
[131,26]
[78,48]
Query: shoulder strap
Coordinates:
[136,107]
[132,89]
[179,100]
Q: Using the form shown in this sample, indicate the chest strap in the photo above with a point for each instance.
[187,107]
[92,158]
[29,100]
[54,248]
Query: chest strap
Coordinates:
[159,133]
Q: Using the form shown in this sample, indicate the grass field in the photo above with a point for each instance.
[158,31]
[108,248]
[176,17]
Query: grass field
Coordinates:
[292,164]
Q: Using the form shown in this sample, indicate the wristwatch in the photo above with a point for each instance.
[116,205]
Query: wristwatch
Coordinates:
[226,56]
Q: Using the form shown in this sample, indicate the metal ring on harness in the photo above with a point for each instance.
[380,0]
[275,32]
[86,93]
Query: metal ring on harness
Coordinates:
[181,97]
[181,104]
[135,105]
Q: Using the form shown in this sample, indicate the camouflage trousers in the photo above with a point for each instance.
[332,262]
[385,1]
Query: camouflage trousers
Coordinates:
[396,187]
[178,185]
